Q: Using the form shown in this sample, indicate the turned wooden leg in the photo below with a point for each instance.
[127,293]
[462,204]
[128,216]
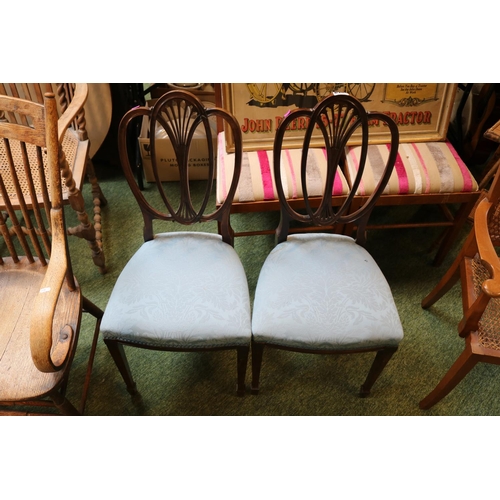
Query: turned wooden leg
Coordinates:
[118,354]
[242,353]
[96,189]
[381,359]
[257,353]
[462,366]
[85,229]
[99,201]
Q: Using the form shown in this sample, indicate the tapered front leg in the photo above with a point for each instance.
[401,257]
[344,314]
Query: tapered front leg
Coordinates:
[118,354]
[381,359]
[257,353]
[242,361]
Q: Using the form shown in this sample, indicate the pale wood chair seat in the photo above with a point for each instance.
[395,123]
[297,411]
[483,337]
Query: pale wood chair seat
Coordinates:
[19,285]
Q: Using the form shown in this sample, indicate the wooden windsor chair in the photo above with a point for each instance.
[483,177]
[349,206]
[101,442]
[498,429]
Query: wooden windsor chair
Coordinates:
[40,300]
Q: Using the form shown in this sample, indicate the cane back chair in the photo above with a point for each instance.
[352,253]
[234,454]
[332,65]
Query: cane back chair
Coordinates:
[477,266]
[40,301]
[322,292]
[182,290]
[75,161]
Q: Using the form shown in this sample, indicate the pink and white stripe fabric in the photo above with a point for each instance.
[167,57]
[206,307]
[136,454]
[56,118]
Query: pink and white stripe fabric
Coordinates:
[257,182]
[420,168]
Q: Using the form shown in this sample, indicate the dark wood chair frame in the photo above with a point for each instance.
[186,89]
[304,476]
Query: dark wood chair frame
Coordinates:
[320,212]
[186,214]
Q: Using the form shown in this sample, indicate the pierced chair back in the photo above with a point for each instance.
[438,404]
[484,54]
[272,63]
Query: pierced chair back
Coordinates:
[318,292]
[181,117]
[338,117]
[191,286]
[40,300]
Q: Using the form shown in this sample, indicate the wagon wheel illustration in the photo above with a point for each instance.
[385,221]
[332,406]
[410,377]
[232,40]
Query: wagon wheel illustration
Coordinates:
[325,89]
[301,88]
[264,92]
[361,91]
[184,86]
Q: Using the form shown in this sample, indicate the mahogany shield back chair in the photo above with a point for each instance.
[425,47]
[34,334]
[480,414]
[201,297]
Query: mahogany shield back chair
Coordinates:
[40,301]
[182,290]
[75,161]
[322,292]
[477,266]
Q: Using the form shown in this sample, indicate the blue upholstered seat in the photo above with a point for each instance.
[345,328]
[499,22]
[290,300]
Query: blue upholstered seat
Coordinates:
[323,291]
[181,290]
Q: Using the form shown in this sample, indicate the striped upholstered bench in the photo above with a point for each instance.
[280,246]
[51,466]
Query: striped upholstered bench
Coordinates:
[425,173]
[420,168]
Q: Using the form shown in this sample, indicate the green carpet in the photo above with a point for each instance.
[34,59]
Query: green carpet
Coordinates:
[291,383]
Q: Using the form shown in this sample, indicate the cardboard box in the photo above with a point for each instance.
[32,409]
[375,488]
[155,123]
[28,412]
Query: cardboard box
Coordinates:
[165,156]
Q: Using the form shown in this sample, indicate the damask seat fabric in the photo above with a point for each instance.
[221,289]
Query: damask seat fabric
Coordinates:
[324,292]
[177,291]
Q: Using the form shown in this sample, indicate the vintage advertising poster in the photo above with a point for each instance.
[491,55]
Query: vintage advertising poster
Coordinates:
[421,110]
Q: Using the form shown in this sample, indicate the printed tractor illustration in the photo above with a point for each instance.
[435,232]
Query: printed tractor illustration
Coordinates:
[303,94]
